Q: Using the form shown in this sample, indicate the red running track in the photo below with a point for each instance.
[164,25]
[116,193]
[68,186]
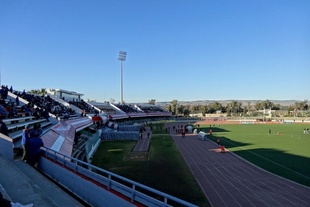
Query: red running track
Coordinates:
[228,180]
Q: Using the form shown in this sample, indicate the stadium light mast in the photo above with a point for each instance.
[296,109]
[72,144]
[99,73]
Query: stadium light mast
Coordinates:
[122,57]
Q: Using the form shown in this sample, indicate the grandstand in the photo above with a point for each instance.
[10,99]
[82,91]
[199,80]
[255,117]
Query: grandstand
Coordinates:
[72,129]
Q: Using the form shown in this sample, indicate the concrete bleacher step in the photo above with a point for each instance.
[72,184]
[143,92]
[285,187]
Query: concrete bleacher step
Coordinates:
[10,121]
[22,125]
[4,195]
[16,135]
[25,185]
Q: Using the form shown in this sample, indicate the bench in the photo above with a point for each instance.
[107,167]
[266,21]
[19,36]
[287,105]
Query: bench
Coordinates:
[18,132]
[17,135]
[23,124]
[18,119]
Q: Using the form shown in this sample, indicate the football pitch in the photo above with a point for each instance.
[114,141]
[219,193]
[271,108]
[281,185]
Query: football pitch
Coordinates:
[282,149]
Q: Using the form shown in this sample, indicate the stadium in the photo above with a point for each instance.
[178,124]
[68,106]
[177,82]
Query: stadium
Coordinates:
[73,131]
[215,113]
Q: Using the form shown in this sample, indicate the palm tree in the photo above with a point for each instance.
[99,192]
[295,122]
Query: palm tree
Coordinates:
[41,91]
[174,104]
[234,107]
[152,101]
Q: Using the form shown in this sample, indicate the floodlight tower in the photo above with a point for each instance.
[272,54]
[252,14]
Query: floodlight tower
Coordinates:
[122,57]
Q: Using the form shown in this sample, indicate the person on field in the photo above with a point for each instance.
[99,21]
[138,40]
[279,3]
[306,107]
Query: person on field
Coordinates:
[218,141]
[222,149]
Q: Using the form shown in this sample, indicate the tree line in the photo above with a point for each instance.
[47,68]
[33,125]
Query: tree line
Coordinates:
[233,108]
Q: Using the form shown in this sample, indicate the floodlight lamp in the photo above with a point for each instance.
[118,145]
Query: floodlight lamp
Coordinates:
[122,55]
[123,52]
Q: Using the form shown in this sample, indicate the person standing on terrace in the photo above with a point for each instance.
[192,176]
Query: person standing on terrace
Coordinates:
[34,143]
[25,137]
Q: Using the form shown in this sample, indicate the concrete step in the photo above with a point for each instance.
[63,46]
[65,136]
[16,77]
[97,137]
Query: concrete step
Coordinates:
[25,185]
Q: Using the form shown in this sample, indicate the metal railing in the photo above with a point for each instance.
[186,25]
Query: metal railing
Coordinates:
[134,191]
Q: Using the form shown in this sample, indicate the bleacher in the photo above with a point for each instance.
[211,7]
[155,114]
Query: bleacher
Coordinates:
[16,125]
[127,108]
[87,108]
[106,108]
[78,151]
[47,103]
[148,108]
[22,112]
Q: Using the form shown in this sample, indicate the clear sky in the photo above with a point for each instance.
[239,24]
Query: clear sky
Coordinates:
[176,49]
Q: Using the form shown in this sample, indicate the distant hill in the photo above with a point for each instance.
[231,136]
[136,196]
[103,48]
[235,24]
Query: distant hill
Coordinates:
[225,102]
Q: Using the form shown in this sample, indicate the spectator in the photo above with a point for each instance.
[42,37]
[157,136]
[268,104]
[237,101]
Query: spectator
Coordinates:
[34,143]
[17,101]
[28,111]
[3,112]
[25,137]
[3,127]
[46,114]
[36,113]
[222,149]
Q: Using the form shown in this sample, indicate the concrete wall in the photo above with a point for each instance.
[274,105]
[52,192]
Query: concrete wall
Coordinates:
[88,191]
[6,147]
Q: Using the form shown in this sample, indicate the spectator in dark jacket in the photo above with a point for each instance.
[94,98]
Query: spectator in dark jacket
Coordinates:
[34,143]
[3,112]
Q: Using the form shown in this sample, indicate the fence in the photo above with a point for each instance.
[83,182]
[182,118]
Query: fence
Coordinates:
[129,127]
[136,192]
[112,135]
[91,143]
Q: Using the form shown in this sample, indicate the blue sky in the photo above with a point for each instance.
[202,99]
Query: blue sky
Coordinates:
[176,49]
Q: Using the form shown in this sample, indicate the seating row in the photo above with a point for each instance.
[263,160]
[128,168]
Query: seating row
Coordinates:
[17,125]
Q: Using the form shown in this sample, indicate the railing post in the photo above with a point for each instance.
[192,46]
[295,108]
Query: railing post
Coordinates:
[76,166]
[133,193]
[109,181]
[55,156]
[166,201]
